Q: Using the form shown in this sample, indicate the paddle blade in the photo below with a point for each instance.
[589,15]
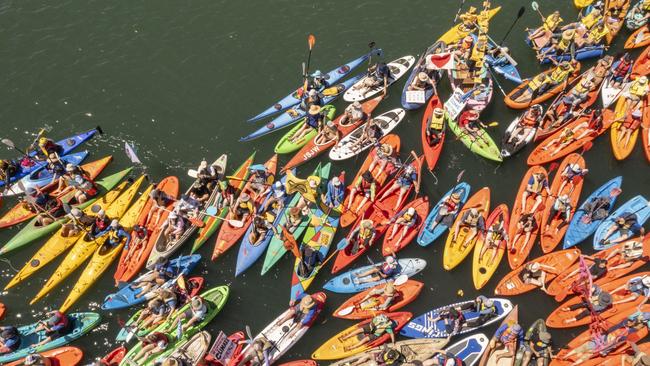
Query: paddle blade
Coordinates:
[181,283]
[9,143]
[615,192]
[212,210]
[493,124]
[311,41]
[401,279]
[534,5]
[521,12]
[236,223]
[460,176]
[553,167]
[192,173]
[196,222]
[346,311]
[248,333]
[130,153]
[587,147]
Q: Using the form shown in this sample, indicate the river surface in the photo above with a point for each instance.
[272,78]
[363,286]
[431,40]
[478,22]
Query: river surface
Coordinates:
[179,79]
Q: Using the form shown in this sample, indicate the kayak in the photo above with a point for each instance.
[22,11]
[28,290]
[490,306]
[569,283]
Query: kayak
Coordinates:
[212,224]
[58,244]
[549,149]
[362,308]
[580,226]
[351,210]
[469,349]
[114,357]
[426,325]
[522,247]
[420,66]
[482,144]
[18,213]
[413,351]
[225,348]
[297,114]
[637,206]
[332,77]
[456,248]
[313,148]
[512,284]
[351,145]
[505,66]
[532,333]
[483,267]
[514,100]
[432,150]
[580,54]
[84,248]
[399,240]
[491,359]
[3,310]
[426,236]
[335,348]
[192,351]
[398,68]
[509,148]
[635,18]
[458,32]
[641,66]
[64,356]
[81,323]
[164,248]
[608,92]
[614,24]
[286,146]
[230,235]
[103,257]
[348,282]
[582,3]
[561,318]
[128,295]
[639,38]
[620,149]
[553,228]
[133,259]
[645,138]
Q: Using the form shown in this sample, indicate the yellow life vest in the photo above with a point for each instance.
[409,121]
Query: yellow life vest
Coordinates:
[559,74]
[646,5]
[246,206]
[590,20]
[437,123]
[597,34]
[638,89]
[478,52]
[113,236]
[537,81]
[407,217]
[550,24]
[365,233]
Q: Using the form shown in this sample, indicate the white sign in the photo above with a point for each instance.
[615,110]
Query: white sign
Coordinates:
[222,349]
[415,96]
[455,104]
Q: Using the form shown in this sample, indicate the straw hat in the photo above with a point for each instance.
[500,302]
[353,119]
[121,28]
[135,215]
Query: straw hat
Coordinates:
[314,109]
[423,76]
[368,224]
[455,197]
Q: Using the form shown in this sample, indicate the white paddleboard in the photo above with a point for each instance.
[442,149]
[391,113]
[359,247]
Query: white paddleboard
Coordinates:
[398,68]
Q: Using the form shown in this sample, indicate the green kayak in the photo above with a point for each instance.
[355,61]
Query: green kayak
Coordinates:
[276,249]
[32,231]
[483,145]
[285,146]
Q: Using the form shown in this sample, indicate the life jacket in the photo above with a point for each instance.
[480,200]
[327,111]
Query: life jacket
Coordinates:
[365,233]
[537,185]
[408,217]
[451,205]
[114,235]
[496,235]
[536,82]
[246,206]
[580,89]
[622,68]
[529,120]
[437,124]
[508,335]
[564,44]
[63,322]
[638,89]
[364,185]
[471,219]
[645,6]
[597,34]
[478,52]
[102,224]
[567,135]
[49,147]
[590,20]
[551,23]
[559,74]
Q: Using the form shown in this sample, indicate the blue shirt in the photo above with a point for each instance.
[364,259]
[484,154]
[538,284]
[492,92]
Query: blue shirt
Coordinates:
[306,317]
[501,332]
[334,195]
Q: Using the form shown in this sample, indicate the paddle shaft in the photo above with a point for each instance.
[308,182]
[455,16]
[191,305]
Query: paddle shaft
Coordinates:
[519,15]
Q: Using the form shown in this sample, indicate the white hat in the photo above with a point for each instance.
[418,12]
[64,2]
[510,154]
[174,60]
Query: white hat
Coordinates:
[69,167]
[646,281]
[115,224]
[173,215]
[390,259]
[312,93]
[277,185]
[101,213]
[76,212]
[336,181]
[203,164]
[411,211]
[357,104]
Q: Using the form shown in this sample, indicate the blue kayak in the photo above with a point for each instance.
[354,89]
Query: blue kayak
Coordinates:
[126,296]
[297,114]
[504,66]
[583,53]
[578,230]
[80,324]
[424,325]
[637,206]
[437,47]
[350,282]
[43,177]
[426,236]
[469,349]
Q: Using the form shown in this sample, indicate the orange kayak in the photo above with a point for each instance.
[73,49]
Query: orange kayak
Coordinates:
[640,38]
[512,283]
[618,360]
[300,363]
[421,206]
[3,310]
[363,309]
[553,229]
[64,356]
[641,66]
[431,151]
[514,101]
[312,149]
[114,357]
[133,259]
[522,248]
[645,138]
[483,267]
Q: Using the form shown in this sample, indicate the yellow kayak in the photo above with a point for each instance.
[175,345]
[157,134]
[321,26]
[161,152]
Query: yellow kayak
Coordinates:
[101,260]
[57,244]
[456,33]
[582,3]
[83,248]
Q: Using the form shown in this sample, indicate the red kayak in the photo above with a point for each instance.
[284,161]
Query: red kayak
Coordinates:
[216,356]
[114,357]
[432,151]
[394,245]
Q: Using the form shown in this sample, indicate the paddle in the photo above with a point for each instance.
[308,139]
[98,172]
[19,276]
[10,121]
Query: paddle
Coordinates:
[462,3]
[399,280]
[520,13]
[11,145]
[535,7]
[311,41]
[212,212]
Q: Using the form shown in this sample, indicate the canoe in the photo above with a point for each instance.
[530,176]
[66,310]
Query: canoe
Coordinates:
[312,149]
[225,348]
[365,309]
[350,146]
[334,348]
[552,234]
[286,146]
[533,332]
[212,224]
[620,150]
[638,206]
[81,323]
[126,296]
[457,32]
[132,260]
[64,356]
[423,326]
[332,77]
[512,101]
[398,68]
[518,257]
[345,283]
[18,213]
[491,359]
[578,229]
[641,66]
[510,148]
[559,318]
[414,352]
[102,258]
[454,251]
[114,357]
[639,38]
[192,352]
[420,66]
[483,268]
[427,236]
[164,248]
[487,148]
[432,151]
[561,286]
[230,235]
[394,245]
[83,248]
[512,284]
[58,244]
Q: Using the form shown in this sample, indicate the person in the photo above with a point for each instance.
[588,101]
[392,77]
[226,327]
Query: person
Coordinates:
[261,178]
[447,209]
[496,237]
[443,358]
[484,308]
[558,47]
[626,255]
[526,226]
[242,208]
[385,356]
[361,237]
[329,133]
[377,78]
[46,147]
[390,268]
[335,193]
[78,222]
[195,313]
[48,208]
[594,36]
[636,93]
[353,113]
[462,50]
[468,19]
[601,70]
[560,74]
[116,235]
[526,126]
[638,16]
[598,301]
[570,103]
[599,344]
[634,288]
[407,179]
[210,176]
[315,120]
[476,57]
[199,192]
[598,207]
[379,298]
[571,174]
[160,274]
[570,134]
[406,219]
[382,156]
[365,185]
[276,199]
[535,187]
[311,257]
[470,223]
[318,81]
[152,344]
[261,226]
[160,201]
[508,336]
[83,187]
[36,359]
[639,358]
[452,318]
[435,127]
[9,339]
[313,97]
[257,353]
[622,70]
[543,35]
[539,348]
[55,326]
[56,167]
[8,170]
[472,127]
[153,315]
[302,313]
[561,210]
[370,135]
[294,219]
[421,82]
[534,273]
[99,227]
[631,123]
[627,225]
[377,327]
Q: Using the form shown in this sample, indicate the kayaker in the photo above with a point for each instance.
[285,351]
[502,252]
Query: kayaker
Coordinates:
[314,120]
[633,289]
[210,176]
[630,124]
[335,193]
[78,223]
[199,192]
[509,337]
[365,185]
[448,208]
[261,226]
[174,227]
[187,204]
[377,78]
[380,298]
[153,315]
[453,319]
[626,225]
[361,237]
[370,135]
[598,301]
[257,353]
[639,358]
[594,36]
[621,73]
[45,147]
[353,113]
[557,48]
[601,70]
[196,313]
[600,344]
[36,359]
[328,134]
[313,97]
[470,223]
[539,347]
[472,127]
[543,35]
[318,81]
[571,134]
[421,82]
[462,50]
[572,174]
[597,269]
[598,207]
[276,199]
[312,190]
[482,305]
[559,75]
[476,57]
[84,188]
[260,180]
[56,167]
[638,16]
[586,22]
[626,255]
[637,92]
[302,311]
[529,93]
[115,236]
[385,356]
[572,101]
[407,179]
[242,208]
[406,219]
[384,154]
[389,268]
[534,273]
[468,19]
[376,328]
[527,125]
[99,227]
[436,127]
[46,207]
[536,186]
[68,175]
[152,344]
[57,325]
[10,339]
[526,226]
[496,237]
[294,219]
[160,201]
[443,358]
[561,210]
[8,170]
[310,258]
[160,274]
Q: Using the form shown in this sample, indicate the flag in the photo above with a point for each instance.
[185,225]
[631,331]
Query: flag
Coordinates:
[130,152]
[440,61]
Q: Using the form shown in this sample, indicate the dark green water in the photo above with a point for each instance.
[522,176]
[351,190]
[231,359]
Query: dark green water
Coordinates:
[179,79]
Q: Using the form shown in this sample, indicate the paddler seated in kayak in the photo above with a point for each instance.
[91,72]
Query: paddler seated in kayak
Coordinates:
[569,135]
[310,258]
[559,47]
[638,356]
[599,207]
[389,268]
[476,57]
[622,71]
[195,314]
[377,78]
[598,301]
[174,227]
[56,325]
[534,273]
[636,94]
[294,219]
[377,327]
[152,344]
[9,339]
[47,208]
[627,225]
[385,356]
[379,298]
[538,349]
[318,81]
[70,171]
[448,207]
[542,36]
[482,305]
[328,134]
[257,353]
[626,255]
[471,223]
[361,237]
[633,289]
[421,82]
[335,193]
[571,101]
[8,170]
[157,310]
[116,235]
[261,179]
[311,193]
[406,219]
[586,22]
[353,113]
[242,207]
[365,185]
[443,358]
[537,184]
[160,274]
[275,201]
[210,175]
[99,227]
[36,359]
[509,337]
[560,74]
[526,125]
[78,223]
[572,174]
[602,69]
[261,226]
[496,237]
[384,154]
[597,269]
[313,97]
[630,124]
[45,147]
[599,345]
[370,135]
[200,192]
[160,200]
[56,167]
[638,16]
[594,36]
[436,127]
[462,50]
[314,120]
[407,179]
[453,319]
[468,19]
[302,313]
[561,210]
[472,127]
[526,226]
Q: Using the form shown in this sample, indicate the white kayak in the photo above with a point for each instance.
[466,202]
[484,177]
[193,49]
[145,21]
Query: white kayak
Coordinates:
[398,68]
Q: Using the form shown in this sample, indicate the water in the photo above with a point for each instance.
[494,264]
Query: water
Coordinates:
[179,81]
